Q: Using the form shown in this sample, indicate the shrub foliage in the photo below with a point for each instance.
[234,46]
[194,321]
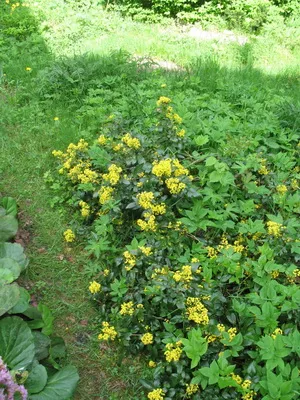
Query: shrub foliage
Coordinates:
[195,250]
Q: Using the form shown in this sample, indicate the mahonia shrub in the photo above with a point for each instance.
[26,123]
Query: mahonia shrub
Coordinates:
[195,250]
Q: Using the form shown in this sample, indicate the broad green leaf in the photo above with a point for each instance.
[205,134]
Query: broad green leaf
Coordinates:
[14,251]
[37,379]
[60,386]
[47,319]
[201,140]
[16,343]
[210,161]
[6,276]
[41,343]
[22,303]
[8,227]
[9,296]
[11,265]
[10,206]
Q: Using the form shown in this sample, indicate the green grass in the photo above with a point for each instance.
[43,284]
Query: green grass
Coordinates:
[81,72]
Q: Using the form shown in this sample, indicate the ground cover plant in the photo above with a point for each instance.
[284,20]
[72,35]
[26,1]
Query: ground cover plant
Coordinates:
[235,101]
[29,352]
[196,253]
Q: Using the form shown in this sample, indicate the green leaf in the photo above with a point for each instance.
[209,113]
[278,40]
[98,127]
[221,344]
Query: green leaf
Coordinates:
[210,161]
[47,319]
[8,227]
[60,386]
[9,296]
[201,140]
[22,303]
[11,265]
[16,343]
[41,343]
[37,379]
[10,206]
[195,346]
[14,251]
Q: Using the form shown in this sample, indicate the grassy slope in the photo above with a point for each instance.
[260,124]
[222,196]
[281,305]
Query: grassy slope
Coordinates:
[28,134]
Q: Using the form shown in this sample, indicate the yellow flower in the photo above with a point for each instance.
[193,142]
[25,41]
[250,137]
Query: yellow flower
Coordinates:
[152,364]
[140,305]
[249,396]
[102,140]
[196,311]
[113,175]
[57,153]
[69,236]
[236,378]
[175,186]
[118,147]
[28,69]
[177,119]
[147,338]
[106,272]
[281,189]
[232,333]
[274,228]
[108,332]
[162,168]
[94,287]
[221,328]
[211,252]
[85,209]
[149,225]
[131,142]
[127,308]
[147,251]
[145,199]
[277,332]
[246,384]
[191,389]
[163,100]
[55,118]
[130,260]
[173,351]
[105,194]
[181,133]
[156,394]
[185,275]
[163,85]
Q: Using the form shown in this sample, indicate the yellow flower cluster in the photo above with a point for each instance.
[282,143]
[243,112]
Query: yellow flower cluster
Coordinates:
[108,332]
[294,184]
[263,167]
[94,287]
[237,245]
[211,252]
[237,378]
[127,308]
[152,364]
[274,228]
[130,260]
[185,275]
[191,389]
[277,332]
[175,186]
[164,168]
[196,311]
[105,194]
[102,140]
[173,351]
[146,199]
[113,175]
[163,100]
[156,394]
[281,189]
[131,142]
[232,333]
[149,225]
[85,209]
[180,133]
[147,251]
[249,396]
[147,338]
[221,328]
[69,236]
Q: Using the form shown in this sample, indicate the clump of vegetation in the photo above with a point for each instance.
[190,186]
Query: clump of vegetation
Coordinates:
[29,352]
[195,253]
